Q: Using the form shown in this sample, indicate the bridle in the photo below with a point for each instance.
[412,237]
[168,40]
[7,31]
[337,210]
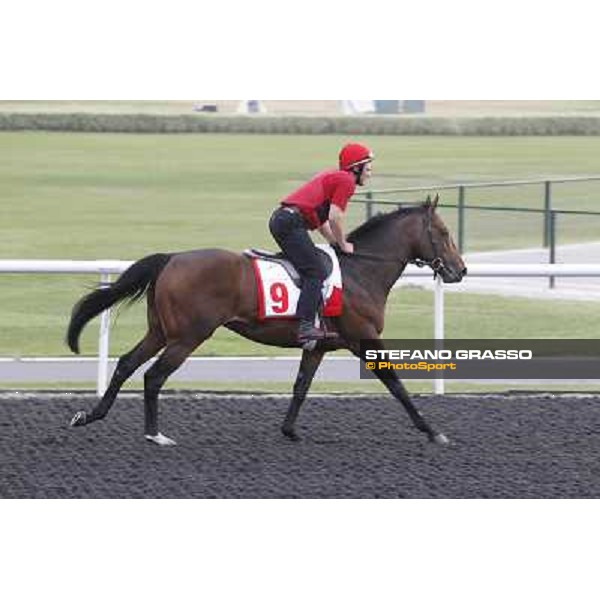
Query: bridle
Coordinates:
[436,264]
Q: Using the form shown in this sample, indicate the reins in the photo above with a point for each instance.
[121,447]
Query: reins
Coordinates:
[364,255]
[436,264]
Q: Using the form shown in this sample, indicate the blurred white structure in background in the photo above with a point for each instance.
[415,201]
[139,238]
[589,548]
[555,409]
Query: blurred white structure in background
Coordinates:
[382,107]
[251,107]
[356,107]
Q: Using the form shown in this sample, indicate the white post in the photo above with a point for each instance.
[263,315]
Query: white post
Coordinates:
[103,343]
[438,326]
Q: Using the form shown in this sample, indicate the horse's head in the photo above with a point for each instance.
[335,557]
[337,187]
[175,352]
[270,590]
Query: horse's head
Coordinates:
[436,248]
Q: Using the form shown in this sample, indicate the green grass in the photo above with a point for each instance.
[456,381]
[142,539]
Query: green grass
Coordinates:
[34,324]
[75,195]
[90,196]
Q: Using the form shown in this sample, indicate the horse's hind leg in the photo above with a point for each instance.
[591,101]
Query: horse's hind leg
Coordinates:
[127,365]
[169,361]
[308,367]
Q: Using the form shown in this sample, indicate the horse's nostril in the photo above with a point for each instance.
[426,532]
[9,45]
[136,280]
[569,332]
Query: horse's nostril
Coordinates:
[464,272]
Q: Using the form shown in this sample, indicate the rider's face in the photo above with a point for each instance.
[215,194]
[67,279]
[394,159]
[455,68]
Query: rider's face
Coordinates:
[366,173]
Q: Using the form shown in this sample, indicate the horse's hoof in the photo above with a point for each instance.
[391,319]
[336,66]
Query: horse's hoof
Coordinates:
[290,434]
[440,438]
[79,419]
[161,440]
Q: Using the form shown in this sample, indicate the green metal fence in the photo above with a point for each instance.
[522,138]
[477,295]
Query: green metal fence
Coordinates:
[550,215]
[374,198]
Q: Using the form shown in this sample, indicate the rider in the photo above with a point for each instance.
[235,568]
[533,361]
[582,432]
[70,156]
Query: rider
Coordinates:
[318,204]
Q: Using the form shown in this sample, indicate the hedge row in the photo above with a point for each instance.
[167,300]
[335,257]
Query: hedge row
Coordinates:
[265,124]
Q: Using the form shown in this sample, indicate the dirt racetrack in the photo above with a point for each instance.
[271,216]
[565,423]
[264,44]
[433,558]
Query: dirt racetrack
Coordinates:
[229,446]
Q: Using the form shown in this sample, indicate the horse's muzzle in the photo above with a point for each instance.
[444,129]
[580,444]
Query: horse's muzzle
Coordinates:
[450,275]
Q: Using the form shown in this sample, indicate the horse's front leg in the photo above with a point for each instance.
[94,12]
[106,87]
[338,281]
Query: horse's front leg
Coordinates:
[308,367]
[397,389]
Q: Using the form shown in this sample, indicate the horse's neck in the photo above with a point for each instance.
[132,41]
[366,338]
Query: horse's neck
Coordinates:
[391,272]
[394,250]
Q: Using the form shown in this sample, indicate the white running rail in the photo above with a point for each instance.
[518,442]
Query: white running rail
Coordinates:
[106,268]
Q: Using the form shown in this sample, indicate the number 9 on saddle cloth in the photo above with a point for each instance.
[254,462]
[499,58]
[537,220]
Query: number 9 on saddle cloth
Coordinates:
[278,284]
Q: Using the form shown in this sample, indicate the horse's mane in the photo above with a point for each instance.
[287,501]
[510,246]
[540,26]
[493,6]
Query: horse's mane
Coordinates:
[374,223]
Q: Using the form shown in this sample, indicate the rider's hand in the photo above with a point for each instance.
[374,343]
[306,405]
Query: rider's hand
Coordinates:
[348,248]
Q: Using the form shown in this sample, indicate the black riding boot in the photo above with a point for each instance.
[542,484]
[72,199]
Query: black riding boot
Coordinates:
[307,333]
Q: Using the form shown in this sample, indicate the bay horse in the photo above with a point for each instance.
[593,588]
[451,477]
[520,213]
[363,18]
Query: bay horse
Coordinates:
[190,294]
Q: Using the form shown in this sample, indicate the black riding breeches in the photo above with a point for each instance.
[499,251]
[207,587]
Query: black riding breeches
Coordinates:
[289,231]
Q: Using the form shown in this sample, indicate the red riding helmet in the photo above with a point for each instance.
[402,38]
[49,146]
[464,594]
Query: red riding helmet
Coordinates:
[353,155]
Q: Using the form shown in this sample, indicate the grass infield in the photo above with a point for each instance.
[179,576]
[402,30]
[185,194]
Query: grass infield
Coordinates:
[90,196]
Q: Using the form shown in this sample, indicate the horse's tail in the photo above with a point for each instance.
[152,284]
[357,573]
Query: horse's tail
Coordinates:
[132,284]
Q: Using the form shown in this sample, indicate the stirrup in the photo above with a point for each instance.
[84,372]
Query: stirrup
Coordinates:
[317,335]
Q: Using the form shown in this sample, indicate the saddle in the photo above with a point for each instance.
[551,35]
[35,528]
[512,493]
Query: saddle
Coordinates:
[278,284]
[278,257]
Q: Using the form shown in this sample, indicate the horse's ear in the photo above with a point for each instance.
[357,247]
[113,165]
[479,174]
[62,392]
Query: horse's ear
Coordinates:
[428,201]
[435,201]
